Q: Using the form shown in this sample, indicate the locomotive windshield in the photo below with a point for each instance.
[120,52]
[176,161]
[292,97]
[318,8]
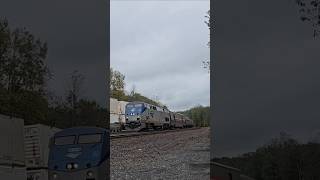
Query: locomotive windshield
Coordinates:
[134,109]
[64,140]
[89,138]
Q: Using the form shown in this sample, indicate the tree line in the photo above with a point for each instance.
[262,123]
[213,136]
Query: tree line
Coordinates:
[284,158]
[24,76]
[200,115]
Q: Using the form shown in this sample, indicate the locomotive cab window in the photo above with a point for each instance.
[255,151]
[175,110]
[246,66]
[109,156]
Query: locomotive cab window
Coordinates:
[89,138]
[64,140]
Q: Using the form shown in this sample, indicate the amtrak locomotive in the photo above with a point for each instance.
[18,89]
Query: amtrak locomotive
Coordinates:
[140,116]
[79,153]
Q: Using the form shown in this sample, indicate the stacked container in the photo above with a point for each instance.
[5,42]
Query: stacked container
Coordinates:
[122,108]
[36,141]
[114,111]
[12,161]
[117,114]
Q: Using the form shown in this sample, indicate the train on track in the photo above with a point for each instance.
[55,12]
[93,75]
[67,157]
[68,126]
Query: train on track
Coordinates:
[79,153]
[141,116]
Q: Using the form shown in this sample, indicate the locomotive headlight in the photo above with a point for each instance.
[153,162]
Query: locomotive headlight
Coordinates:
[90,173]
[75,165]
[55,176]
[69,166]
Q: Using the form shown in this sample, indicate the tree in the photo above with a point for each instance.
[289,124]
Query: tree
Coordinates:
[200,115]
[282,158]
[23,74]
[91,114]
[88,113]
[116,80]
[310,12]
[116,84]
[133,90]
[138,97]
[117,90]
[206,63]
[4,45]
[208,22]
[27,105]
[74,93]
[22,60]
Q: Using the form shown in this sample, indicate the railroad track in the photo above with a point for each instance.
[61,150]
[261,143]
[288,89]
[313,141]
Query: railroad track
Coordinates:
[134,134]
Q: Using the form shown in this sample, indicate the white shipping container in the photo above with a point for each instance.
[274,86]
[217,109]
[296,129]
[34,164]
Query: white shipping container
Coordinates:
[122,105]
[122,119]
[114,118]
[114,106]
[36,142]
[117,111]
[12,161]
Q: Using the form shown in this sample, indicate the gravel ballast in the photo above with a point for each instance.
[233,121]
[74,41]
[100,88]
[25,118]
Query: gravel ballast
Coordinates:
[175,155]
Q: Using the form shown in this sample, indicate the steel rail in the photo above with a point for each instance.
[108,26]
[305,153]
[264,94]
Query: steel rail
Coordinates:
[135,134]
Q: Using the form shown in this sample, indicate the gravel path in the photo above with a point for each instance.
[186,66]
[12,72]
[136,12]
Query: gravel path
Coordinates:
[175,155]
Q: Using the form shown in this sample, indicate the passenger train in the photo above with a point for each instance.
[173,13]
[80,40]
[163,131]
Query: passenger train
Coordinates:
[141,116]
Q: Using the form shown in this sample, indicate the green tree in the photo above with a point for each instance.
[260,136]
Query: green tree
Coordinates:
[283,158]
[200,115]
[28,105]
[23,74]
[22,58]
[310,12]
[91,114]
[138,97]
[117,84]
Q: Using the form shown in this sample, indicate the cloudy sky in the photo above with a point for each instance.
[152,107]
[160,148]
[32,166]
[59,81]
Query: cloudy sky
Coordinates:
[159,46]
[76,33]
[266,76]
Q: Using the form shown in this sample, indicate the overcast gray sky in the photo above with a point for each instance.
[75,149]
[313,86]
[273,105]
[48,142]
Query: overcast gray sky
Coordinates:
[75,31]
[159,46]
[267,75]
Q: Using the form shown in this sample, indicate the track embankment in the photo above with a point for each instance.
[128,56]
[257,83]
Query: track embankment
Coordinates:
[183,154]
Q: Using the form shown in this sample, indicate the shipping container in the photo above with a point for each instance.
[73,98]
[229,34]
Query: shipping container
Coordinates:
[114,118]
[114,106]
[117,114]
[122,105]
[36,141]
[12,161]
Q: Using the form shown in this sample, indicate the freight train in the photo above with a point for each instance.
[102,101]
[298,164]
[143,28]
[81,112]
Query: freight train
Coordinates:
[141,116]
